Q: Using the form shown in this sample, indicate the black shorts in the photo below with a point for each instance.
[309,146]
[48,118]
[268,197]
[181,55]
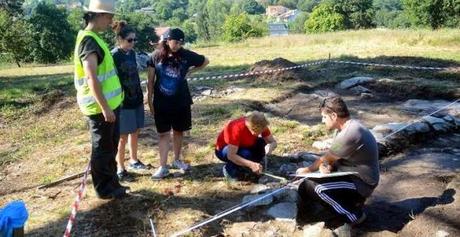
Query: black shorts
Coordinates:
[179,120]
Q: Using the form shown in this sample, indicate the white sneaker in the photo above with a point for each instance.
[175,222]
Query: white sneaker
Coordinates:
[160,173]
[178,164]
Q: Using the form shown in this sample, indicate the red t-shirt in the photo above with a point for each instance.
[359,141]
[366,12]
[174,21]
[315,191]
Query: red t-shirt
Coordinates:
[236,133]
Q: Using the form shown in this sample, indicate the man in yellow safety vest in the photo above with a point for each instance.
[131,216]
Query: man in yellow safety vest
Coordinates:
[99,95]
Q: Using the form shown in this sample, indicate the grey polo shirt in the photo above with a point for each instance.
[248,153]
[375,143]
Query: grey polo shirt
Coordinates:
[358,152]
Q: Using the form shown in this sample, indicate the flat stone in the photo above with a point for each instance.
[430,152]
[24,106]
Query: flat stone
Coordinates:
[389,127]
[285,211]
[438,124]
[359,89]
[202,88]
[455,122]
[322,145]
[286,169]
[317,230]
[260,188]
[417,127]
[267,180]
[354,81]
[207,92]
[287,195]
[343,231]
[324,93]
[263,202]
[428,106]
[366,96]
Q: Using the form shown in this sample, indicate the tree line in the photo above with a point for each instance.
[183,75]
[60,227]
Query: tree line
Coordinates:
[44,31]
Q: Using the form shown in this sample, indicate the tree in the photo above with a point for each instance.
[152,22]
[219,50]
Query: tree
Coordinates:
[217,12]
[14,37]
[433,13]
[143,25]
[388,13]
[291,4]
[75,19]
[198,14]
[298,25]
[252,7]
[189,28]
[307,5]
[238,27]
[52,36]
[324,18]
[12,7]
[357,14]
[128,6]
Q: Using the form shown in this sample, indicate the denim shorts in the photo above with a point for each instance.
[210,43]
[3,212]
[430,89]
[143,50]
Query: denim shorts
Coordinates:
[131,119]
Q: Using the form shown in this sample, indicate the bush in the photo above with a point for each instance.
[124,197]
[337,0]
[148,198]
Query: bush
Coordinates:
[238,27]
[324,19]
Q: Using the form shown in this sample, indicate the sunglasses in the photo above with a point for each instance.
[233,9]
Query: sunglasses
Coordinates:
[131,40]
[324,105]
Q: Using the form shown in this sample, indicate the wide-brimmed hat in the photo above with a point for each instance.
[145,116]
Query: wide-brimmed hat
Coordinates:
[101,6]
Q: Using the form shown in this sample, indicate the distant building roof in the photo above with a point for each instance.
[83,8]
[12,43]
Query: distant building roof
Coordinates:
[288,16]
[146,10]
[275,11]
[161,30]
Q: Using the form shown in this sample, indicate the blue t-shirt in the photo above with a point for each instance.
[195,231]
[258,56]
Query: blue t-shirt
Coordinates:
[171,90]
[126,65]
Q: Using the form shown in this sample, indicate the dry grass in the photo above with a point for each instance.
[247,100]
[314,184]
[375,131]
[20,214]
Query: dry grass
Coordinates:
[442,44]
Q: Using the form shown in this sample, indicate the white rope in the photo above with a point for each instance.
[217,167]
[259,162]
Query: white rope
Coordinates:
[153,228]
[388,65]
[402,128]
[245,74]
[234,209]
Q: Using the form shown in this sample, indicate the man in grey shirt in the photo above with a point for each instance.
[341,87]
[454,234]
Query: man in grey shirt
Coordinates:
[354,149]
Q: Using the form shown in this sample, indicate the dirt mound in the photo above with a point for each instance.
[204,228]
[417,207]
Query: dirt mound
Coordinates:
[49,100]
[277,63]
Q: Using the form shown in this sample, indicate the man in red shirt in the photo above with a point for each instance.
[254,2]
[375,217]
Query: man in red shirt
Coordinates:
[243,143]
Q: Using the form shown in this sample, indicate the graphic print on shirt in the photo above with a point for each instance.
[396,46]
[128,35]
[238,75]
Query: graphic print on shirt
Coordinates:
[170,78]
[130,70]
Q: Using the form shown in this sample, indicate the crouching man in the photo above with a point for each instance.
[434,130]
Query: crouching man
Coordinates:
[354,149]
[242,145]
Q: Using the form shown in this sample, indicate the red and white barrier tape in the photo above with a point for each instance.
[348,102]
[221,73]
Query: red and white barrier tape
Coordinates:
[76,204]
[388,65]
[236,75]
[246,74]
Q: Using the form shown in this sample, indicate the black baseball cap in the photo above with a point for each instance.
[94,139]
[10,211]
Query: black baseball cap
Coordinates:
[174,34]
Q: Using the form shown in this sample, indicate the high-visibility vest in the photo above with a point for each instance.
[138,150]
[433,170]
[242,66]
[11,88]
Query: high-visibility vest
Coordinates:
[106,75]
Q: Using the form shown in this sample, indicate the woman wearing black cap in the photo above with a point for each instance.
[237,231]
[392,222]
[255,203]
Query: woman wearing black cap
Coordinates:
[169,96]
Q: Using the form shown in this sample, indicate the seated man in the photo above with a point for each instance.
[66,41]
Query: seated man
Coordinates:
[354,149]
[243,143]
